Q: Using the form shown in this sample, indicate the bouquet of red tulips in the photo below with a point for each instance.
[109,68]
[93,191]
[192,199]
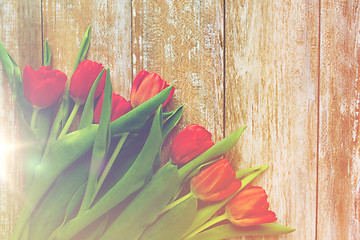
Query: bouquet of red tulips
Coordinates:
[102,177]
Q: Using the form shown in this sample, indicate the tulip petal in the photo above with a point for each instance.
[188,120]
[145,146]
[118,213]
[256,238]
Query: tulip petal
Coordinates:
[146,85]
[225,193]
[29,81]
[189,143]
[269,217]
[135,86]
[42,96]
[43,87]
[204,214]
[83,79]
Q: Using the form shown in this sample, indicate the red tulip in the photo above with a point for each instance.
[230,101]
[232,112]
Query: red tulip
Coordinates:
[119,106]
[189,143]
[216,182]
[250,207]
[146,85]
[83,79]
[43,87]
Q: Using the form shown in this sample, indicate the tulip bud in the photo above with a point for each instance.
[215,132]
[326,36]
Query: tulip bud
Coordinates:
[189,143]
[119,106]
[216,182]
[249,207]
[146,85]
[83,79]
[43,87]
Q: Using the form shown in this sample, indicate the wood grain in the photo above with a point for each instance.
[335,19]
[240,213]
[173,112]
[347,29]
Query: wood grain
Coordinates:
[289,70]
[182,42]
[65,22]
[339,164]
[271,86]
[20,32]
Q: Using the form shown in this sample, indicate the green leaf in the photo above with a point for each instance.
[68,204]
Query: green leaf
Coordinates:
[60,202]
[88,112]
[172,224]
[229,231]
[146,206]
[125,159]
[7,65]
[61,155]
[172,121]
[63,152]
[101,146]
[84,47]
[215,151]
[32,154]
[133,180]
[157,161]
[13,74]
[95,230]
[43,124]
[244,172]
[169,123]
[75,201]
[205,213]
[136,118]
[47,54]
[63,112]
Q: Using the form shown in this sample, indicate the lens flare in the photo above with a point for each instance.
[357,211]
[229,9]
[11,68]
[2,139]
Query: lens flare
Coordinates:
[5,150]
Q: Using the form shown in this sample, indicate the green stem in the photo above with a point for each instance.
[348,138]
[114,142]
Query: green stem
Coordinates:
[109,165]
[206,225]
[93,184]
[177,202]
[70,120]
[33,118]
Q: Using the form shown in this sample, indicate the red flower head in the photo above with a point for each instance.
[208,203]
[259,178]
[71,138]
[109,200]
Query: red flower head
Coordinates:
[250,207]
[216,182]
[189,143]
[146,85]
[43,87]
[119,106]
[83,79]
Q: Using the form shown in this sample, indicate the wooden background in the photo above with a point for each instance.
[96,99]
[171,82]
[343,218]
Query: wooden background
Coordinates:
[289,70]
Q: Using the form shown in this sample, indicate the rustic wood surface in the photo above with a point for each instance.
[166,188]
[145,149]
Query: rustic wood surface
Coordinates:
[289,70]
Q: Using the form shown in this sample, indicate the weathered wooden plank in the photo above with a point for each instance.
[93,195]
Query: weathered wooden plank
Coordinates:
[272,86]
[182,41]
[65,22]
[339,164]
[20,32]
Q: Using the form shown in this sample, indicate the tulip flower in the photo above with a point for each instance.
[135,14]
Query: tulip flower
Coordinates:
[216,182]
[43,87]
[119,106]
[189,143]
[83,79]
[146,85]
[249,207]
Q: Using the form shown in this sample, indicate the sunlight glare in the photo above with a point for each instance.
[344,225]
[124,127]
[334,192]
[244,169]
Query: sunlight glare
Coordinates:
[5,149]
